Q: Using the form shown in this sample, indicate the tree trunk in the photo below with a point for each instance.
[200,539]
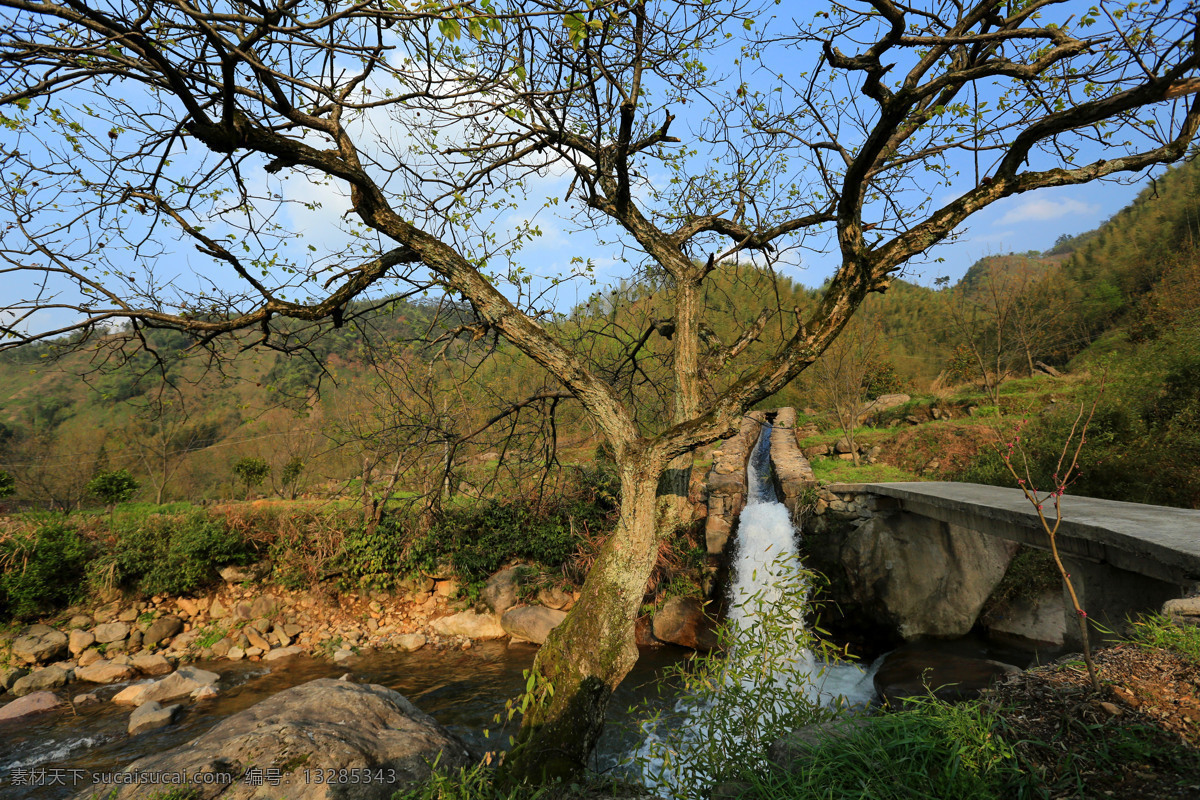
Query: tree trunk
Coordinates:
[591,651]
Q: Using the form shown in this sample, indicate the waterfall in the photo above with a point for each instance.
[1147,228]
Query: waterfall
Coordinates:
[741,701]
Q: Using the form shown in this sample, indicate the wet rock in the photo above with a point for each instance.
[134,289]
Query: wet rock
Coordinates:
[1029,623]
[111,632]
[205,693]
[469,624]
[30,704]
[500,593]
[162,628]
[84,700]
[682,621]
[39,644]
[409,642]
[304,728]
[180,683]
[105,672]
[283,653]
[914,671]
[40,680]
[531,623]
[151,716]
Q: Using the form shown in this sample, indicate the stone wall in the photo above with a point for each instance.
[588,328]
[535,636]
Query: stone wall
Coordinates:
[727,483]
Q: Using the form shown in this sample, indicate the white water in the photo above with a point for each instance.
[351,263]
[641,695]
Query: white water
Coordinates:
[763,582]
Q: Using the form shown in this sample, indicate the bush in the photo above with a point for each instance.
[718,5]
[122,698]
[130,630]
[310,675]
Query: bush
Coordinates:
[42,570]
[173,555]
[113,486]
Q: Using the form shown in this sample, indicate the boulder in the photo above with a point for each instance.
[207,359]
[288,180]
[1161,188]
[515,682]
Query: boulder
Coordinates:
[180,683]
[256,639]
[9,676]
[152,664]
[265,606]
[34,703]
[84,700]
[89,656]
[469,624]
[80,621]
[324,725]
[531,623]
[555,598]
[1029,623]
[682,621]
[79,641]
[217,610]
[915,671]
[40,680]
[105,672]
[222,646]
[151,716]
[162,628]
[790,752]
[39,644]
[500,593]
[922,576]
[111,632]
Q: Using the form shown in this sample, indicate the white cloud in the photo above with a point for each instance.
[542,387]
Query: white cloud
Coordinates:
[1042,209]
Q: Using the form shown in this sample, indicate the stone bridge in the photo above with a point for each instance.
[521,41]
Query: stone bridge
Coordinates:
[924,558]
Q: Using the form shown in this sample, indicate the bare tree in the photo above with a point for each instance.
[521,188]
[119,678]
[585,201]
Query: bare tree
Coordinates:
[134,127]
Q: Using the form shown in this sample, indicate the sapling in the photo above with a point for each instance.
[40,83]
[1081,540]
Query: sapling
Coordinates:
[1062,478]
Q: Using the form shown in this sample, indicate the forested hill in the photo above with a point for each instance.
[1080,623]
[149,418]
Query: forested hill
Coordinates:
[1132,283]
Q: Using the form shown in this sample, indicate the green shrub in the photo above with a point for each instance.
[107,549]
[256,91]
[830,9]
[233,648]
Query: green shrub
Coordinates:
[42,570]
[173,555]
[113,486]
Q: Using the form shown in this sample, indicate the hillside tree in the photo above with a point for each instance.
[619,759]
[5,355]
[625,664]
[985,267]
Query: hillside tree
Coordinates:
[874,130]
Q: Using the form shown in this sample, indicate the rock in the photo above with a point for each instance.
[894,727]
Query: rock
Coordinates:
[128,615]
[205,693]
[111,632]
[816,451]
[682,621]
[843,447]
[469,624]
[409,642]
[305,728]
[39,644]
[188,606]
[1185,610]
[184,640]
[234,574]
[9,676]
[256,639]
[39,680]
[180,683]
[80,621]
[283,653]
[89,656]
[500,593]
[265,606]
[105,672]
[222,646]
[152,664]
[235,654]
[531,623]
[1029,623]
[150,716]
[217,610]
[33,703]
[162,628]
[922,576]
[342,655]
[84,700]
[554,597]
[914,671]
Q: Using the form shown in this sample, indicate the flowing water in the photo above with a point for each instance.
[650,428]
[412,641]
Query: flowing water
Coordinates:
[769,678]
[462,689]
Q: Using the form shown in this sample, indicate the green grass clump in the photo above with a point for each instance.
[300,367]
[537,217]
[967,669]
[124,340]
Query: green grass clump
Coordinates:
[1156,630]
[171,555]
[834,470]
[931,750]
[475,783]
[42,570]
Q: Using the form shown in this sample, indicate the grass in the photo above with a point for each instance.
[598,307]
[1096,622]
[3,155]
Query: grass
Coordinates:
[1156,630]
[834,470]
